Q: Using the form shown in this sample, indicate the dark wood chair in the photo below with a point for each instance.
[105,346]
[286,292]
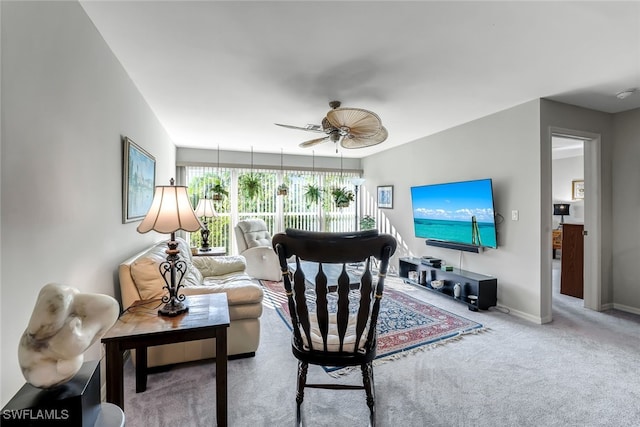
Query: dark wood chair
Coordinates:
[334,321]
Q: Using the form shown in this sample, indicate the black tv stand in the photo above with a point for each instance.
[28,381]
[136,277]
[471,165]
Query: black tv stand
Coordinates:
[484,287]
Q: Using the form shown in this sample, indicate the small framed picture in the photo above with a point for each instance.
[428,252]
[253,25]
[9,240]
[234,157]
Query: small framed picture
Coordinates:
[577,189]
[138,181]
[385,196]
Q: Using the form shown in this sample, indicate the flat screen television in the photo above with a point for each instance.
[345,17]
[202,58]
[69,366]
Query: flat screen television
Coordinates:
[457,212]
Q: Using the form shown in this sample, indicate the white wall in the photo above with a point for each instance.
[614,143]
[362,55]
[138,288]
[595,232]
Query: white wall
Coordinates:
[66,102]
[505,147]
[626,211]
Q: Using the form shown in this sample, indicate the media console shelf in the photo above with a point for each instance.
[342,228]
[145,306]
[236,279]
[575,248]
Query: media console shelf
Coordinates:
[484,287]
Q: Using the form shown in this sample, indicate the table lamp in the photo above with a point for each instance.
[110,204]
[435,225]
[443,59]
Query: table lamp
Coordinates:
[561,209]
[205,210]
[171,211]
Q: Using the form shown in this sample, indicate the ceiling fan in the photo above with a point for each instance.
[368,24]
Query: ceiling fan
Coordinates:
[349,127]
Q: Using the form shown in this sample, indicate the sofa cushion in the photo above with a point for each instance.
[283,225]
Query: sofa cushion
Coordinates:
[333,337]
[240,289]
[146,273]
[221,265]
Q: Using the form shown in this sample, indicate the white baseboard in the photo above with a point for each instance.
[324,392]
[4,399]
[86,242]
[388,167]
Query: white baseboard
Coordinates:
[522,315]
[626,308]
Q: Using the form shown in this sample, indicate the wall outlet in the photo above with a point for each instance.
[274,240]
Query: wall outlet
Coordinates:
[514,215]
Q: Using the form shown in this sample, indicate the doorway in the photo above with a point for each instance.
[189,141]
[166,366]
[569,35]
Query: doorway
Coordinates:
[567,170]
[586,209]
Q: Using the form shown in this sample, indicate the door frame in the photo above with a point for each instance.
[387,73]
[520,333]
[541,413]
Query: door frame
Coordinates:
[592,215]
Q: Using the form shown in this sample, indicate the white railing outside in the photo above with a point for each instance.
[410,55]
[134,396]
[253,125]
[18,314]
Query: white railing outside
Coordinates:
[279,211]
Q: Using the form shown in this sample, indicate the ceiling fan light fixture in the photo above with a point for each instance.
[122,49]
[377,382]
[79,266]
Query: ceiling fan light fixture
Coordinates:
[356,121]
[357,142]
[349,127]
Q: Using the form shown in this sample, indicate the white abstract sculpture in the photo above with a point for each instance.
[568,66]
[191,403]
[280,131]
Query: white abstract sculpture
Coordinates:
[63,325]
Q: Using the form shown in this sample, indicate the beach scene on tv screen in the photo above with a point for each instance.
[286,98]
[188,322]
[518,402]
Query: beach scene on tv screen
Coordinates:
[459,212]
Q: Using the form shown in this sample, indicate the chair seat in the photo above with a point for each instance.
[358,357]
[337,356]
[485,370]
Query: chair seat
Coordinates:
[333,340]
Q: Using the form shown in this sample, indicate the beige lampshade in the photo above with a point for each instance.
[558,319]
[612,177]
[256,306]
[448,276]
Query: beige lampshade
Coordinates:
[205,209]
[170,211]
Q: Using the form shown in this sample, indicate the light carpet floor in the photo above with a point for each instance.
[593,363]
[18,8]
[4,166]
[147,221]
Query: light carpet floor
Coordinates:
[579,370]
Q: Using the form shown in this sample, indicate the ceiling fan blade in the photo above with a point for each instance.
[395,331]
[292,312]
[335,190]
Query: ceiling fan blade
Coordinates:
[362,142]
[313,142]
[310,128]
[359,122]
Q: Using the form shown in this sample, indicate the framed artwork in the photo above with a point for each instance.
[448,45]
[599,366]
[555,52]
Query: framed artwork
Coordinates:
[385,196]
[138,181]
[577,189]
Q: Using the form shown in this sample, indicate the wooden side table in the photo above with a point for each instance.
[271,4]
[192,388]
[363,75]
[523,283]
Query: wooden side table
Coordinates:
[140,327]
[215,251]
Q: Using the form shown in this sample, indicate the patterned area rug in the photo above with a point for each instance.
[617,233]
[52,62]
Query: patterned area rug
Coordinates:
[404,323]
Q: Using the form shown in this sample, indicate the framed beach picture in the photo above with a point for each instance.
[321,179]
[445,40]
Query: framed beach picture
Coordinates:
[577,189]
[138,181]
[385,196]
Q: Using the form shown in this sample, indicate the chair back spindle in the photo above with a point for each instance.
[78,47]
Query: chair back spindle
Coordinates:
[334,310]
[334,300]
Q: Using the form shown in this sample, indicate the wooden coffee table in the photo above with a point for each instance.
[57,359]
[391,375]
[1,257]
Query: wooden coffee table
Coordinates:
[140,327]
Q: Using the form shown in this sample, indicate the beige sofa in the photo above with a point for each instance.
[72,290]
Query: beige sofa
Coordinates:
[140,279]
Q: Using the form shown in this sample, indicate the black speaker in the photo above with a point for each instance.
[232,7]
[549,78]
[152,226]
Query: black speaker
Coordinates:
[456,246]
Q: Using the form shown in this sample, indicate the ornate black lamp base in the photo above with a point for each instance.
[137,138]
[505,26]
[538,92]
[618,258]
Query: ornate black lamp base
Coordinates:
[172,271]
[173,308]
[205,239]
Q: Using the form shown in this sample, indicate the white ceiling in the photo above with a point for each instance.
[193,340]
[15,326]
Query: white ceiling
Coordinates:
[222,73]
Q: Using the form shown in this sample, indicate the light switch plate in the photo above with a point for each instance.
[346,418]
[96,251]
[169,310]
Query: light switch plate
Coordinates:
[514,215]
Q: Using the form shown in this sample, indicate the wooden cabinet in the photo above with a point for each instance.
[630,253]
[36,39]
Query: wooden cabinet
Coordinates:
[556,241]
[572,273]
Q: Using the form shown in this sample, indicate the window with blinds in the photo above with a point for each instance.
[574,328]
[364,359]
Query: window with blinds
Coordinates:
[253,193]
